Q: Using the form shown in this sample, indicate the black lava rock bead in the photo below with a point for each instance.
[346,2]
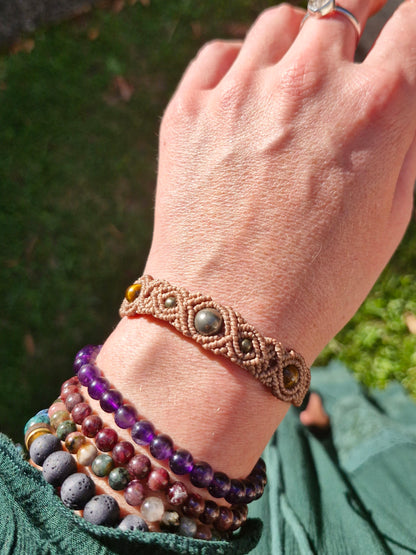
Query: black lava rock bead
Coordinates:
[133,522]
[102,509]
[77,490]
[58,466]
[42,447]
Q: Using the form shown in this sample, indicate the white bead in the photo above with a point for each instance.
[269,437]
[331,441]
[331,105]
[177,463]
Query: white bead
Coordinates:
[152,509]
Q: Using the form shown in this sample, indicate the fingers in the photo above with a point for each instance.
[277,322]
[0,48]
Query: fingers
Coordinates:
[334,35]
[211,64]
[270,37]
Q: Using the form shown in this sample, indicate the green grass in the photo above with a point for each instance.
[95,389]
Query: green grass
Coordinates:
[77,174]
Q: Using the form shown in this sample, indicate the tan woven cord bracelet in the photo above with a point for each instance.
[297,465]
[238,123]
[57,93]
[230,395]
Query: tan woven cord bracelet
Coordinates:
[223,331]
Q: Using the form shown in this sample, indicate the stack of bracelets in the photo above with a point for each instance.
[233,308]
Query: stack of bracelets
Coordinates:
[76,451]
[68,437]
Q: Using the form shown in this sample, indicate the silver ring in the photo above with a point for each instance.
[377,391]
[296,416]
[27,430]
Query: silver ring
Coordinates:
[322,8]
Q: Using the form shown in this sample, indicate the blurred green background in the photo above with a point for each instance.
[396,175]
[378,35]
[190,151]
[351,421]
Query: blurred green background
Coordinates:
[80,106]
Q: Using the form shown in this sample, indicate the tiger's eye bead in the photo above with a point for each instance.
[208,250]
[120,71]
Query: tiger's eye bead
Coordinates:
[133,292]
[194,505]
[208,321]
[65,428]
[290,376]
[224,520]
[134,493]
[177,494]
[72,400]
[122,452]
[158,479]
[80,412]
[92,425]
[59,417]
[119,478]
[246,345]
[170,302]
[106,439]
[211,512]
[139,466]
[152,509]
[86,454]
[73,441]
[102,465]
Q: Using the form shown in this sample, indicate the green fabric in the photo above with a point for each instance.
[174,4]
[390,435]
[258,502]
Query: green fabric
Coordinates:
[352,492]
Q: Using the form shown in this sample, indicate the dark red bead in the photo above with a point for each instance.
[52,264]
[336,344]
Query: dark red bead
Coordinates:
[67,390]
[134,493]
[80,412]
[106,439]
[122,452]
[193,506]
[72,400]
[158,479]
[92,425]
[139,466]
[211,512]
[177,494]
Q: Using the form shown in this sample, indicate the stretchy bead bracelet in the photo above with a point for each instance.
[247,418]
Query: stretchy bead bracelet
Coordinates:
[161,445]
[223,331]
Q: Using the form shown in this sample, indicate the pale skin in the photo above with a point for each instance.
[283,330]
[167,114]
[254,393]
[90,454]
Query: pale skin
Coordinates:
[285,184]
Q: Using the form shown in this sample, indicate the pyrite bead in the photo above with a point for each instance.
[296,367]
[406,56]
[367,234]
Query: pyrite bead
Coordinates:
[170,302]
[103,510]
[86,454]
[133,522]
[290,376]
[65,428]
[77,490]
[42,447]
[57,467]
[246,345]
[119,478]
[102,465]
[208,321]
[152,509]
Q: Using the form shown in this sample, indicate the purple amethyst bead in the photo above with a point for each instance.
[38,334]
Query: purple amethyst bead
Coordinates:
[111,400]
[143,432]
[80,361]
[252,490]
[125,416]
[161,447]
[87,350]
[181,462]
[220,485]
[237,493]
[98,387]
[87,373]
[260,465]
[201,475]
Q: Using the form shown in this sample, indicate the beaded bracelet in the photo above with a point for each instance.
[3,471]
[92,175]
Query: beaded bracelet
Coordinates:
[223,331]
[138,467]
[161,446]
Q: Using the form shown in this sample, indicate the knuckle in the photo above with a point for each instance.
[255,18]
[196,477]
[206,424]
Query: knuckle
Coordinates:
[301,78]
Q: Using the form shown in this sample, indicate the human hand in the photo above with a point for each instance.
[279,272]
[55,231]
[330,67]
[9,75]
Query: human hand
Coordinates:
[286,171]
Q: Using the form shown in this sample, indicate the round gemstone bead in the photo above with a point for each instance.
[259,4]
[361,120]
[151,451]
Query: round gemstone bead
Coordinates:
[106,439]
[201,475]
[181,462]
[119,478]
[143,432]
[139,466]
[65,391]
[194,505]
[86,454]
[111,400]
[224,520]
[211,512]
[170,521]
[98,387]
[72,400]
[80,361]
[80,412]
[161,447]
[87,374]
[187,527]
[77,490]
[220,485]
[102,465]
[103,510]
[246,345]
[158,479]
[74,441]
[259,476]
[208,321]
[252,490]
[133,292]
[65,428]
[237,492]
[42,447]
[203,533]
[170,302]
[72,381]
[152,509]
[88,350]
[290,376]
[177,494]
[260,465]
[59,417]
[36,430]
[40,418]
[91,425]
[237,521]
[57,467]
[123,452]
[134,493]
[133,522]
[55,407]
[125,416]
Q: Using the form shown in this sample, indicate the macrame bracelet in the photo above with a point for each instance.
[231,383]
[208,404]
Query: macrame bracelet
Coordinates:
[223,331]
